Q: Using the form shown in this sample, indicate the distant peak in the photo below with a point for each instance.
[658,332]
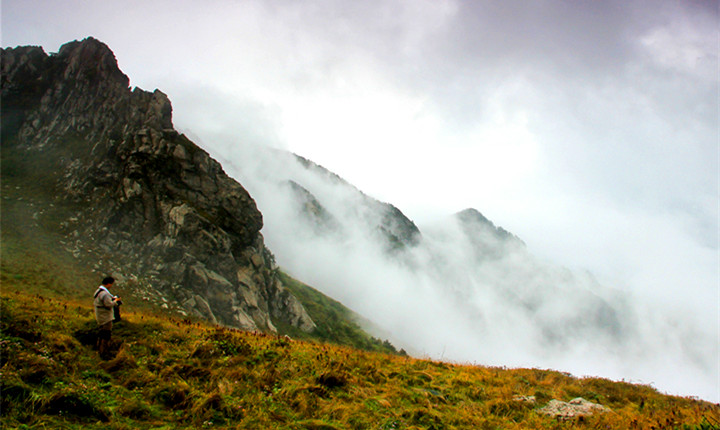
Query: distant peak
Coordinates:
[472,214]
[471,218]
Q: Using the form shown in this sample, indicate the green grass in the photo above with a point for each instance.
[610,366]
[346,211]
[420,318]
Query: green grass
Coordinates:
[336,323]
[33,255]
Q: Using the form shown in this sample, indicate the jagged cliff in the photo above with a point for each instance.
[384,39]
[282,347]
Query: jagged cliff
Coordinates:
[142,195]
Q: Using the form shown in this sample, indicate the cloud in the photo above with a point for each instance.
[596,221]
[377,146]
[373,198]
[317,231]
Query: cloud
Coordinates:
[460,298]
[220,117]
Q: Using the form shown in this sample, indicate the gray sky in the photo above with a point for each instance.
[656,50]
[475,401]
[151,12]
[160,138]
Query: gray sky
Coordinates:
[589,129]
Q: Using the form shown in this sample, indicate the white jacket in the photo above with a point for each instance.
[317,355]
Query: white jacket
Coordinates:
[104,305]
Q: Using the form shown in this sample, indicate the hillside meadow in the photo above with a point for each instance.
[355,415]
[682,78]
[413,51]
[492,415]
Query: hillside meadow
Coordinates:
[171,373]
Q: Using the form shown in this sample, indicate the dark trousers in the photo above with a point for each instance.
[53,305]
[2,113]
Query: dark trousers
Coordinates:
[103,342]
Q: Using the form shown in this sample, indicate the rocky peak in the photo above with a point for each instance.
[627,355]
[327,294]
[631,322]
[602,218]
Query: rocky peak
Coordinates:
[91,61]
[490,240]
[391,226]
[150,201]
[473,215]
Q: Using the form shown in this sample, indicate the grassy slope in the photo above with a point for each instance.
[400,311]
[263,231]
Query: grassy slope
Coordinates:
[336,323]
[34,252]
[173,373]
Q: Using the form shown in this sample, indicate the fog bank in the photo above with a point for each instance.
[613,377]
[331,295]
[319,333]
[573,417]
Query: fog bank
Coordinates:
[468,291]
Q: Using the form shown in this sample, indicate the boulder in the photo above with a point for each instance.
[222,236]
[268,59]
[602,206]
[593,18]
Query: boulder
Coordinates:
[577,407]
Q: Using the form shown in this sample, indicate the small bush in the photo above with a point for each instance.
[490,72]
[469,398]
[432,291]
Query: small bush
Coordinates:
[122,361]
[19,328]
[98,375]
[206,351]
[13,394]
[174,396]
[215,408]
[512,409]
[185,370]
[315,425]
[424,417]
[136,409]
[332,379]
[36,375]
[87,335]
[229,344]
[73,404]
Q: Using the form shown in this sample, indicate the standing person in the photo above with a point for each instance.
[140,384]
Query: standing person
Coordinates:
[105,304]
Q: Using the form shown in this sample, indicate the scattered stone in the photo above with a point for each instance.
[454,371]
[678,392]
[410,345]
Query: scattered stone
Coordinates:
[577,407]
[525,399]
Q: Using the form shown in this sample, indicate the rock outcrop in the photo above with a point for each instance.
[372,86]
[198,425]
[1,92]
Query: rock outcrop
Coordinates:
[578,407]
[145,196]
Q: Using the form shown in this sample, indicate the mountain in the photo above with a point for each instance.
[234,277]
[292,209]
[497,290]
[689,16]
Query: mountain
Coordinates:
[535,286]
[466,259]
[95,175]
[385,221]
[139,198]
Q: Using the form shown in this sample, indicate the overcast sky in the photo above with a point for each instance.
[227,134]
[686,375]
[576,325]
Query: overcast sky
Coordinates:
[587,128]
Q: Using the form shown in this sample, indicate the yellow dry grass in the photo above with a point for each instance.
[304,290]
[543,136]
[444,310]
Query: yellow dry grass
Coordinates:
[173,373]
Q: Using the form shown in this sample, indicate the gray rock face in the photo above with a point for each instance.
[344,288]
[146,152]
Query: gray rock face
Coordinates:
[158,205]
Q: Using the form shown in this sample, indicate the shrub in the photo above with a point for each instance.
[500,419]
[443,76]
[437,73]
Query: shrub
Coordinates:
[13,394]
[175,396]
[73,404]
[136,409]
